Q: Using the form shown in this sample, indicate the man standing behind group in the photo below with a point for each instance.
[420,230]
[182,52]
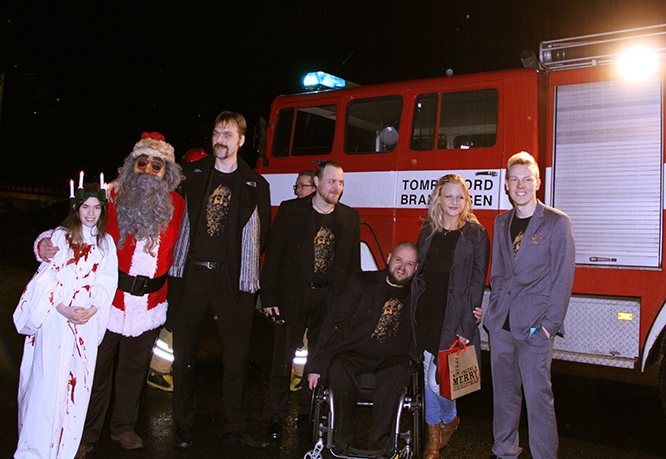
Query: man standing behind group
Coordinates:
[228,206]
[304,185]
[531,277]
[313,247]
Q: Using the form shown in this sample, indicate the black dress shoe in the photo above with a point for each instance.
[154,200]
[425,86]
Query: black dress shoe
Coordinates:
[246,436]
[183,438]
[274,429]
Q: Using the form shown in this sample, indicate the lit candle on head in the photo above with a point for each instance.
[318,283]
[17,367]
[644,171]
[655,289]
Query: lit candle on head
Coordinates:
[71,188]
[101,180]
[81,179]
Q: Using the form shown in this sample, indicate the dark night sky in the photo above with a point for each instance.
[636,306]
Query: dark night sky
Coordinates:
[83,82]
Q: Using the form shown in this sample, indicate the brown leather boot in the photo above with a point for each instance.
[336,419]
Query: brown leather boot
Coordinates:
[447,431]
[432,441]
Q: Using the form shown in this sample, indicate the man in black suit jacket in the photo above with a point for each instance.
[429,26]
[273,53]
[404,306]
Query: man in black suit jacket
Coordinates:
[224,232]
[313,247]
[369,330]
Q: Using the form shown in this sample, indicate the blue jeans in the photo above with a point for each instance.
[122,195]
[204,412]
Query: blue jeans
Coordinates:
[437,408]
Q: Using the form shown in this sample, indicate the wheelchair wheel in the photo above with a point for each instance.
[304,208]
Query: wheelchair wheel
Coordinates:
[315,412]
[321,413]
[418,413]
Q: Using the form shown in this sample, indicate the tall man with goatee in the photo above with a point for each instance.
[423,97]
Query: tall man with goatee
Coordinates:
[313,247]
[228,216]
[144,220]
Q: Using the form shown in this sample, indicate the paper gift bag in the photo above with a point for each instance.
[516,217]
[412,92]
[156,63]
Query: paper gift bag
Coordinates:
[458,371]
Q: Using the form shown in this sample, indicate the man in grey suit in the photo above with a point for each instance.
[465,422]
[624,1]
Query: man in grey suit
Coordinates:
[531,277]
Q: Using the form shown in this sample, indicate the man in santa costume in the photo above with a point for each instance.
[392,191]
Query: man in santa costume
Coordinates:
[144,221]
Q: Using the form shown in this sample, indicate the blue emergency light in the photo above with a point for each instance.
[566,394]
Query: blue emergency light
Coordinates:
[321,80]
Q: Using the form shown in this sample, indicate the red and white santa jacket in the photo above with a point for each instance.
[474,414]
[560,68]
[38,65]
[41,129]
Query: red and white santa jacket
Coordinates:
[132,315]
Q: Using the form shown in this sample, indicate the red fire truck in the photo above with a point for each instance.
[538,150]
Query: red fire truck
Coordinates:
[598,137]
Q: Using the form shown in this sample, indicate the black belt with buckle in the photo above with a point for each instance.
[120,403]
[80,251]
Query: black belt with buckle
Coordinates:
[139,285]
[319,284]
[208,264]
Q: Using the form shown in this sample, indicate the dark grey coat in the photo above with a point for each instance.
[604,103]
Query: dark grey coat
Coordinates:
[467,281]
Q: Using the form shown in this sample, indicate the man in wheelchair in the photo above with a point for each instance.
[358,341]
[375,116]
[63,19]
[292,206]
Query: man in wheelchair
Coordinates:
[369,330]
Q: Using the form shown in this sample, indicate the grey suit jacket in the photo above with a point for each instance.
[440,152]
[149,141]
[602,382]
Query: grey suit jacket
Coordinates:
[533,287]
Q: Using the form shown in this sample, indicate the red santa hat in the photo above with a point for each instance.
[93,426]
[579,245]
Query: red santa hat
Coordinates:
[153,144]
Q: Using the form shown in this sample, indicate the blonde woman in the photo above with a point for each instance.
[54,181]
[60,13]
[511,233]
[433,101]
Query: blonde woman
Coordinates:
[454,250]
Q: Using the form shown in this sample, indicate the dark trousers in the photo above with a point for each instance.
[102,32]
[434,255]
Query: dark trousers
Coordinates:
[209,289]
[314,313]
[133,354]
[391,376]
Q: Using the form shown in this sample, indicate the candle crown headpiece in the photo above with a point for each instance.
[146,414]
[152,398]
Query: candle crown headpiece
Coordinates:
[81,194]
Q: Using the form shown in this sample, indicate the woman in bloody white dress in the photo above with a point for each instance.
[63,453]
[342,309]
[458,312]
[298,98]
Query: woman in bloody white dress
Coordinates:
[64,310]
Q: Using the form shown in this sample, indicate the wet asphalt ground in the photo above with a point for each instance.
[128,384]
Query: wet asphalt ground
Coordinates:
[602,412]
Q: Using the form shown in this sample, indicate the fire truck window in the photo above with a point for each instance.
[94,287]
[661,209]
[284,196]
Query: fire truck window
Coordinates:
[424,125]
[474,141]
[314,130]
[468,119]
[282,135]
[367,119]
